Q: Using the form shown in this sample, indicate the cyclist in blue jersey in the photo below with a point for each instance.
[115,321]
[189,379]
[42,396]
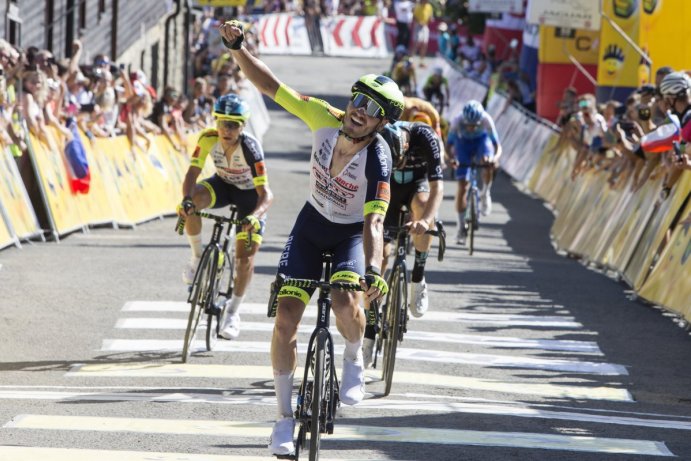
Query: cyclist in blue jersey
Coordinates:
[349,193]
[240,179]
[472,138]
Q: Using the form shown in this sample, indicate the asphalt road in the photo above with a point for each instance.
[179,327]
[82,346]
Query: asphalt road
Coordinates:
[524,354]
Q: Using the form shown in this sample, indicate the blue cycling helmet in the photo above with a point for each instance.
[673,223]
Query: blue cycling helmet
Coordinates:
[231,107]
[472,112]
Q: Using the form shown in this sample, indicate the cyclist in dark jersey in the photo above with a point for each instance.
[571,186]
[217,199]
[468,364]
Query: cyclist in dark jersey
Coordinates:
[417,183]
[349,193]
[240,179]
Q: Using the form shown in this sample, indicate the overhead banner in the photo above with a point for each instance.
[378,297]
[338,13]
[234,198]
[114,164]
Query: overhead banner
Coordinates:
[578,14]
[496,6]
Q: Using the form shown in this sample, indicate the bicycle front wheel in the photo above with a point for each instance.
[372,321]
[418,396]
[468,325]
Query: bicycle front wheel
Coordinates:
[472,222]
[222,290]
[395,308]
[199,296]
[318,397]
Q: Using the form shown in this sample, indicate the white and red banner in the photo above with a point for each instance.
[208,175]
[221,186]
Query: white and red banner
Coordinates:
[283,33]
[354,36]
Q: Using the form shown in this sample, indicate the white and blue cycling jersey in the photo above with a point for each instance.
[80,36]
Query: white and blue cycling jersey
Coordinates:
[472,142]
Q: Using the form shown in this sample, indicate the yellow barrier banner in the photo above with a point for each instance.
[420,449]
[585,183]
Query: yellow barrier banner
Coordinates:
[52,175]
[15,200]
[6,238]
[558,43]
[618,62]
[668,284]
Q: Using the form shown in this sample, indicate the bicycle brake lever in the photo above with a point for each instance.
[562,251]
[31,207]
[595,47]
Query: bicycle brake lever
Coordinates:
[180,225]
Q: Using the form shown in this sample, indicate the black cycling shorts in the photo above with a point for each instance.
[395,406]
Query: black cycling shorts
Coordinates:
[313,234]
[401,195]
[224,194]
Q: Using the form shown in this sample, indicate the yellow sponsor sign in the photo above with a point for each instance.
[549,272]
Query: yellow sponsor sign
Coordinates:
[618,63]
[558,43]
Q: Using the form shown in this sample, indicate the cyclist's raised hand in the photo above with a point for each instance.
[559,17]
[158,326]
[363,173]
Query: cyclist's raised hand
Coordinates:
[374,285]
[232,34]
[186,207]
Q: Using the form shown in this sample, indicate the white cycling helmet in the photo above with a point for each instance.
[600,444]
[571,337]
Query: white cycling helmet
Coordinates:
[472,112]
[675,84]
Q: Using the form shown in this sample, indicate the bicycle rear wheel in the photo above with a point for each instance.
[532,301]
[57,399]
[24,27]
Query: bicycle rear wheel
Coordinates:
[318,393]
[392,329]
[472,222]
[198,298]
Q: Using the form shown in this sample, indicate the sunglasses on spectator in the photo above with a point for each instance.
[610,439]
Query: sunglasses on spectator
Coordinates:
[372,107]
[228,124]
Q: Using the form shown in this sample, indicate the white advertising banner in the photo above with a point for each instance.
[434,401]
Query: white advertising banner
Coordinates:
[496,6]
[574,14]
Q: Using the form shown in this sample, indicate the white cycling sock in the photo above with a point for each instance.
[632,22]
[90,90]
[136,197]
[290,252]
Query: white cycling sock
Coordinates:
[352,350]
[460,219]
[283,387]
[233,304]
[195,244]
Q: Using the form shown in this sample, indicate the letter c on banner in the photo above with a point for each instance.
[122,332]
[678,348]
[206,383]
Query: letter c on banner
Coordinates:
[583,43]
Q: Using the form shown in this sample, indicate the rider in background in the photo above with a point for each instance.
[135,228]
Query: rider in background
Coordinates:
[416,183]
[415,106]
[433,87]
[473,138]
[240,179]
[403,74]
[349,193]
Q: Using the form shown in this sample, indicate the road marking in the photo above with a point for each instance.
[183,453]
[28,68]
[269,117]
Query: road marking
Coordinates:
[586,347]
[483,360]
[346,433]
[500,408]
[76,454]
[147,370]
[541,321]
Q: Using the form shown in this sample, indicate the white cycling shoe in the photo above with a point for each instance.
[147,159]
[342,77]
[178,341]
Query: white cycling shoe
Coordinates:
[230,328]
[281,441]
[352,382]
[419,302]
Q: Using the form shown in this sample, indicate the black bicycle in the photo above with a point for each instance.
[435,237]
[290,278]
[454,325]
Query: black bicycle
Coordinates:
[317,400]
[472,211]
[213,281]
[392,324]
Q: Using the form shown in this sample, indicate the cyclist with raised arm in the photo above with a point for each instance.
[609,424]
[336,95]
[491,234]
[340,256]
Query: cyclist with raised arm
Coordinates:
[472,138]
[417,183]
[240,179]
[349,193]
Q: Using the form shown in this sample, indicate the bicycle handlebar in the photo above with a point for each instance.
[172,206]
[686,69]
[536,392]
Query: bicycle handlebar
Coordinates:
[282,280]
[438,232]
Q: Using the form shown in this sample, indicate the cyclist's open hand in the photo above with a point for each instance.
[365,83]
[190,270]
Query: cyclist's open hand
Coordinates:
[374,285]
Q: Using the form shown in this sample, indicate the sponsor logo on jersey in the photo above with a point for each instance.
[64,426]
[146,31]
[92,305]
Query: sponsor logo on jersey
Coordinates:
[197,151]
[261,168]
[383,191]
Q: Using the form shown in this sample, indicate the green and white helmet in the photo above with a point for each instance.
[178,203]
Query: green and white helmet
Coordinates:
[384,91]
